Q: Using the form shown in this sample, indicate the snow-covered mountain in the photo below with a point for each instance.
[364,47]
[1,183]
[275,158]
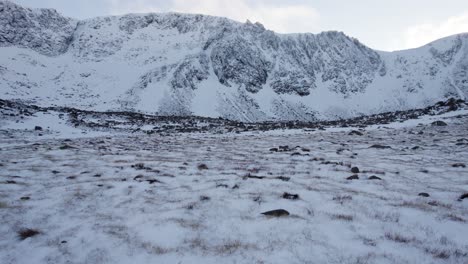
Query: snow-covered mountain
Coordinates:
[183,64]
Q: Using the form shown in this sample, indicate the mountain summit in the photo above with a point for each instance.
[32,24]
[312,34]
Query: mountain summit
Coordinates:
[185,64]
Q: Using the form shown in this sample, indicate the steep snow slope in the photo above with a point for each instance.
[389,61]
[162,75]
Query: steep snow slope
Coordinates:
[182,64]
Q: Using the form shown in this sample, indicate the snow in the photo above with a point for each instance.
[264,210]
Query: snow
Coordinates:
[90,206]
[115,63]
[56,127]
[126,191]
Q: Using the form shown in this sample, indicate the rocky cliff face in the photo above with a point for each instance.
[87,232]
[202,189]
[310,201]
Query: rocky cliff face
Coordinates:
[42,30]
[182,64]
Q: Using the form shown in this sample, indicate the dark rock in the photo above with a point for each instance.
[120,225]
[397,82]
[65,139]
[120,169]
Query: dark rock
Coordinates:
[423,194]
[463,196]
[373,177]
[274,149]
[283,178]
[222,186]
[276,213]
[138,177]
[204,198]
[140,166]
[377,146]
[439,123]
[354,177]
[71,177]
[290,196]
[151,181]
[355,170]
[415,147]
[38,128]
[202,167]
[355,132]
[25,198]
[459,165]
[27,233]
[65,146]
[248,176]
[284,148]
[235,187]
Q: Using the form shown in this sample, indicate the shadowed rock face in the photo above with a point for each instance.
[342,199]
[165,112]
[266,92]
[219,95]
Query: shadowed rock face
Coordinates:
[177,57]
[235,60]
[43,30]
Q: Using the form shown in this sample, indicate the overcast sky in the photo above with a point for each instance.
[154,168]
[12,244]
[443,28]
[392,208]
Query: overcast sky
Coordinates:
[380,24]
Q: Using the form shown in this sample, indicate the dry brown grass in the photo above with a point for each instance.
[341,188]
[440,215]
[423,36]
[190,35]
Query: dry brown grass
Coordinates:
[232,246]
[399,238]
[342,198]
[342,217]
[155,249]
[454,217]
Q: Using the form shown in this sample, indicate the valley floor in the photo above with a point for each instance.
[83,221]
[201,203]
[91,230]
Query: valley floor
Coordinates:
[198,198]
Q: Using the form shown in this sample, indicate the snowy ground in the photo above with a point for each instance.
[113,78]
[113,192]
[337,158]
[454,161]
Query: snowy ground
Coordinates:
[198,198]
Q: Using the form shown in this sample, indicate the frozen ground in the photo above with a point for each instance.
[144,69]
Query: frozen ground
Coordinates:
[198,198]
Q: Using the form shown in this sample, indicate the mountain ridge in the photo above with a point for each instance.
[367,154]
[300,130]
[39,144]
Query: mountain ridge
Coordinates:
[184,64]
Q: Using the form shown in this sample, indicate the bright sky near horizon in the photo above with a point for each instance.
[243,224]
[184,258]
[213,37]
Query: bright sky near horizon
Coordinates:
[383,25]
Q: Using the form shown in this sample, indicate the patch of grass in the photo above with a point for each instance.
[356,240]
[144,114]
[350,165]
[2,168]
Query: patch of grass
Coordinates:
[185,223]
[3,205]
[154,249]
[455,218]
[230,247]
[342,217]
[342,198]
[27,233]
[197,243]
[439,204]
[398,238]
[386,216]
[79,195]
[445,253]
[416,205]
[369,242]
